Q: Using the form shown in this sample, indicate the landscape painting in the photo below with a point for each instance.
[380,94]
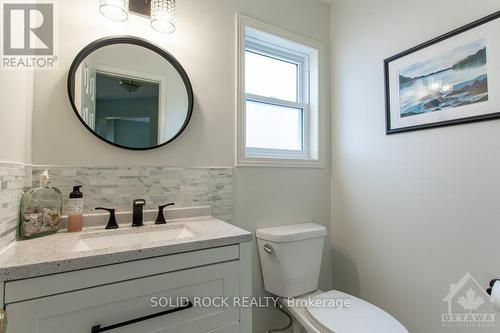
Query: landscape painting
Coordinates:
[449,80]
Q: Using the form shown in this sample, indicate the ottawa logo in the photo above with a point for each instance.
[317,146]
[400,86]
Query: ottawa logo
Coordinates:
[468,305]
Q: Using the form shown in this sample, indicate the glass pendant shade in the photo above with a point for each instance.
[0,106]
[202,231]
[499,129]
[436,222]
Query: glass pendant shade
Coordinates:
[163,15]
[116,10]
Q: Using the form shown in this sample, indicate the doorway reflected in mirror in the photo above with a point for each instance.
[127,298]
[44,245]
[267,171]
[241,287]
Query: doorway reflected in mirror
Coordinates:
[129,103]
[127,110]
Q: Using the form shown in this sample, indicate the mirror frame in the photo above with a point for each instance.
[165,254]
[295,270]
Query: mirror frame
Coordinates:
[86,51]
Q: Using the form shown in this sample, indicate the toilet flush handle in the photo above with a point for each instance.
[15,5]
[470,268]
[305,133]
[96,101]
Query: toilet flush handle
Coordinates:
[268,249]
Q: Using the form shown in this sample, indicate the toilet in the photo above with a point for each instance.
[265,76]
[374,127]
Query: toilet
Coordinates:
[290,258]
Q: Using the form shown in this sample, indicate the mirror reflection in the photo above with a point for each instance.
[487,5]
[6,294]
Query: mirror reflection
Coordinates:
[131,96]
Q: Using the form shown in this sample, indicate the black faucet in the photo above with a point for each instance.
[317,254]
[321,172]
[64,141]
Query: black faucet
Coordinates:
[112,219]
[137,213]
[160,219]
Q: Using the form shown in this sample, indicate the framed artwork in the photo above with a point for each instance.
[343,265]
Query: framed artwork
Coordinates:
[452,79]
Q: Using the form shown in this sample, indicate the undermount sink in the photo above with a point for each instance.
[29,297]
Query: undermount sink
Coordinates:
[135,236]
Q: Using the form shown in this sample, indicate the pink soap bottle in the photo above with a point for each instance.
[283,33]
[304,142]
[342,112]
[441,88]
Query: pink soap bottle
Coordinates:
[75,210]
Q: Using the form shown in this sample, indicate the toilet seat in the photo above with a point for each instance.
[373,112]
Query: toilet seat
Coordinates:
[360,316]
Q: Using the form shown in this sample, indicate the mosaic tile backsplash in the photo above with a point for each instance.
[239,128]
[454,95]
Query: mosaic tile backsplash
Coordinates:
[117,187]
[14,178]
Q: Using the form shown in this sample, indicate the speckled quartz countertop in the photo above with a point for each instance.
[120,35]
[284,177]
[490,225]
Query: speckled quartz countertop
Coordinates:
[63,252]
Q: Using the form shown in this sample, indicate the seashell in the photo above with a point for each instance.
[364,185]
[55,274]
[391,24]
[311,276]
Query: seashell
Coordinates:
[29,228]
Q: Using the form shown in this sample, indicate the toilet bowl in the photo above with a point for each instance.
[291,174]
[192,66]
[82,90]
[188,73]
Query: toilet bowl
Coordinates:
[359,316]
[290,258]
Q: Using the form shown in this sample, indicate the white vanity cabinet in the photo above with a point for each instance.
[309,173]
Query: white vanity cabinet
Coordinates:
[122,297]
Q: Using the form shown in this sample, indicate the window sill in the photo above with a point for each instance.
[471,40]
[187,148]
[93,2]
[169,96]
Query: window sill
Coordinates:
[279,162]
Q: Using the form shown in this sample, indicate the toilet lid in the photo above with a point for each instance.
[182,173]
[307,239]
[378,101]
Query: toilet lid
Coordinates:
[337,312]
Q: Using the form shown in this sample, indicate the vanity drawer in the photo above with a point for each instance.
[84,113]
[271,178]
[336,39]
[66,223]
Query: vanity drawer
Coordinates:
[79,311]
[21,290]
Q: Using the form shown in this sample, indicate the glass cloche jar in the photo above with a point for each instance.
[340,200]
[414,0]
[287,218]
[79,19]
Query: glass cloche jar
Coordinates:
[41,210]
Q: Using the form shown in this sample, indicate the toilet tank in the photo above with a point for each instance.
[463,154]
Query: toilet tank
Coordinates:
[290,257]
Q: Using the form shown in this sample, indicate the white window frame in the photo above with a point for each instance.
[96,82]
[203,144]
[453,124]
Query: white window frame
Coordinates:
[302,62]
[308,54]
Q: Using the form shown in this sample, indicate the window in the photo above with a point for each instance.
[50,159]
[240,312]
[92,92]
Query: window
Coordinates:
[278,98]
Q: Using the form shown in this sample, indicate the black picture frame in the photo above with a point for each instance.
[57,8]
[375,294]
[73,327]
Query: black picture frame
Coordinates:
[419,47]
[106,41]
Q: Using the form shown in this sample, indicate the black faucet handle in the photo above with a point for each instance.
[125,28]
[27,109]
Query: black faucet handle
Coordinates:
[112,218]
[139,202]
[160,219]
[137,218]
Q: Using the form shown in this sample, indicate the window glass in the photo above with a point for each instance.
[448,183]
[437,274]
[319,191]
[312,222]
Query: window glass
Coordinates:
[271,77]
[273,127]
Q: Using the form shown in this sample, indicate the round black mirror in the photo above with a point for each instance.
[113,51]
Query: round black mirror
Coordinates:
[130,93]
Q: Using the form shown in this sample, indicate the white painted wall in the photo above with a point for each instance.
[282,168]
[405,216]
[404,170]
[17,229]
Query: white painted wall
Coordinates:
[412,212]
[205,44]
[16,105]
